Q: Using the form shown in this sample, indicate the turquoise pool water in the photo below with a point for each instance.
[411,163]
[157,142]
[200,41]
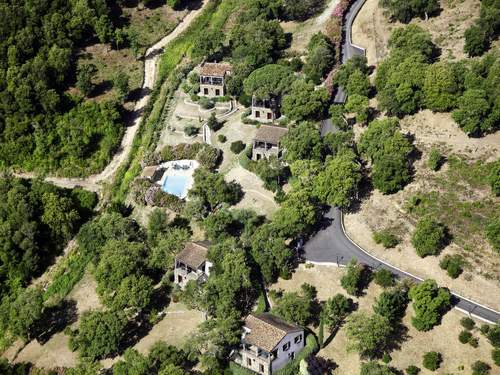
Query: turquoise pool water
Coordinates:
[176,185]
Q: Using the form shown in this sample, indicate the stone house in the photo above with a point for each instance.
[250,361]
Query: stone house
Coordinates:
[267,142]
[268,343]
[213,79]
[192,264]
[265,110]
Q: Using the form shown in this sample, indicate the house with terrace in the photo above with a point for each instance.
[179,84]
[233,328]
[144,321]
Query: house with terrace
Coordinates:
[213,79]
[268,343]
[266,142]
[265,110]
[192,263]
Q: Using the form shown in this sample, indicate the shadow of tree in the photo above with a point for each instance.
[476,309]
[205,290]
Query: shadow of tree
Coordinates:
[54,320]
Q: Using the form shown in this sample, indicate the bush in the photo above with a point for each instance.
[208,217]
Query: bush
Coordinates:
[387,239]
[429,237]
[474,342]
[452,264]
[386,358]
[480,368]
[493,233]
[435,160]
[383,278]
[432,360]
[467,323]
[464,337]
[237,147]
[221,138]
[191,130]
[212,122]
[494,335]
[206,103]
[412,370]
[495,354]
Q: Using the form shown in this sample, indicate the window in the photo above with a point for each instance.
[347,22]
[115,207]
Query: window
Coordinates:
[249,361]
[217,92]
[269,116]
[298,339]
[291,355]
[205,91]
[257,114]
[261,368]
[286,346]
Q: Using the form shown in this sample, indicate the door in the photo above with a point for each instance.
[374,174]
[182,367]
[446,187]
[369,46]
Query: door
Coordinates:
[257,114]
[205,91]
[217,92]
[269,116]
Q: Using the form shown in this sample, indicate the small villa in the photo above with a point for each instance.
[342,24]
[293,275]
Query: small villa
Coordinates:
[265,110]
[213,79]
[266,142]
[268,343]
[192,264]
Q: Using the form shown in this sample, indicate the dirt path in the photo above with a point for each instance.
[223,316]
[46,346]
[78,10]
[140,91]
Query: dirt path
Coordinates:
[95,182]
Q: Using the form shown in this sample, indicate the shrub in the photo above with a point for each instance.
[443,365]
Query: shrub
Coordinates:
[387,239]
[191,130]
[494,335]
[485,328]
[495,354]
[237,147]
[432,360]
[474,342]
[464,337]
[212,123]
[435,160]
[493,233]
[452,264]
[221,138]
[412,370]
[384,278]
[429,237]
[480,368]
[206,103]
[386,358]
[467,323]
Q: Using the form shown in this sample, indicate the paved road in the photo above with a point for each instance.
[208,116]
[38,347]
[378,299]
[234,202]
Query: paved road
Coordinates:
[332,245]
[348,50]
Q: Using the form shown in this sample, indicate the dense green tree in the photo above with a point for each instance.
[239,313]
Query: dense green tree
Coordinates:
[337,184]
[352,281]
[305,102]
[98,334]
[494,178]
[270,81]
[432,360]
[297,307]
[133,362]
[335,311]
[320,59]
[442,87]
[472,112]
[121,85]
[270,252]
[85,75]
[208,44]
[392,304]
[25,311]
[297,214]
[429,303]
[213,190]
[384,278]
[358,104]
[429,237]
[118,260]
[391,173]
[412,39]
[355,64]
[368,335]
[133,294]
[480,368]
[478,36]
[476,41]
[404,11]
[358,84]
[303,141]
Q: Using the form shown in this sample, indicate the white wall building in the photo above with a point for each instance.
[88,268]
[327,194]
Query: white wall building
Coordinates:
[268,343]
[192,264]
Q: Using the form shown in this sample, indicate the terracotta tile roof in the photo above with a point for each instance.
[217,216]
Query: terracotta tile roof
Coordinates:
[270,134]
[215,69]
[267,330]
[194,254]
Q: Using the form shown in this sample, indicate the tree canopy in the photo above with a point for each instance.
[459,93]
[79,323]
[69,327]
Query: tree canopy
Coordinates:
[305,102]
[429,303]
[404,11]
[270,81]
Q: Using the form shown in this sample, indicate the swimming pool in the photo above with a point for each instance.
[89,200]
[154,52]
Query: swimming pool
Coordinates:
[176,185]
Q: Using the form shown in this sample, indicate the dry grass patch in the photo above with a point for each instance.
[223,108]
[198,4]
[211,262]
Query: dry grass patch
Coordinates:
[372,29]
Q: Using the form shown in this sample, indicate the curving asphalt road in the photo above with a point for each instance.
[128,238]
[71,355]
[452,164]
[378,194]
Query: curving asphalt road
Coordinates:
[348,50]
[332,245]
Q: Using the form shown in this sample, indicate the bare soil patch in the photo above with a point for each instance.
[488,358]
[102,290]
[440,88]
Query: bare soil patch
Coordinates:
[303,31]
[371,28]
